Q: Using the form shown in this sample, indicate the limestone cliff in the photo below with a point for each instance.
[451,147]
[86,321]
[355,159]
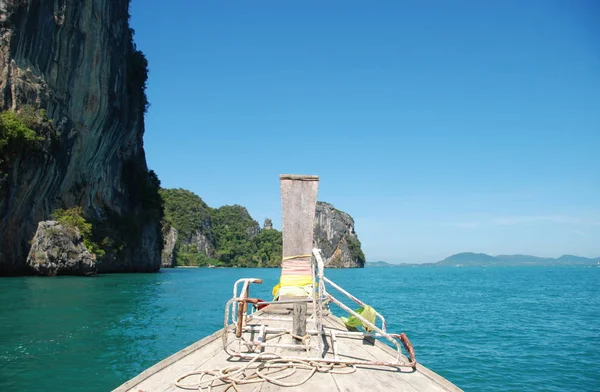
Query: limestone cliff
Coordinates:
[77,60]
[335,236]
[168,251]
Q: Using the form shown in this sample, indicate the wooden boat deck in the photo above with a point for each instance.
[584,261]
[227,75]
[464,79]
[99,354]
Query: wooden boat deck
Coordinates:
[208,353]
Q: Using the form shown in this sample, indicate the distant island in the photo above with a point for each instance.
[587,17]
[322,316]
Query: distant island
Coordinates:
[469,259]
[380,264]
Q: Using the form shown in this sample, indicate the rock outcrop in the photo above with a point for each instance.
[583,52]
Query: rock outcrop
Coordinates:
[77,60]
[268,225]
[203,243]
[168,251]
[335,236]
[59,250]
[199,242]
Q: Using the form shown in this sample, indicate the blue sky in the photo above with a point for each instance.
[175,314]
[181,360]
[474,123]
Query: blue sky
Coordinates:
[441,127]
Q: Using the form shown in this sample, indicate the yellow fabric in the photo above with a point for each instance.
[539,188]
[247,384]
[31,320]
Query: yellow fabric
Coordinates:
[276,290]
[289,282]
[295,280]
[367,312]
[292,291]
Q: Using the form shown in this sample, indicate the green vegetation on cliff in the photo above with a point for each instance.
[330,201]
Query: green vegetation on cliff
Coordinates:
[356,250]
[73,219]
[269,243]
[234,231]
[185,211]
[225,236]
[17,135]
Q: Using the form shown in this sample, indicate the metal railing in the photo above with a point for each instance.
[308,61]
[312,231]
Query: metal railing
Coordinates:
[239,314]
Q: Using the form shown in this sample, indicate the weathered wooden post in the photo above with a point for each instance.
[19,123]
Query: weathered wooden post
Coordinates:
[299,322]
[298,204]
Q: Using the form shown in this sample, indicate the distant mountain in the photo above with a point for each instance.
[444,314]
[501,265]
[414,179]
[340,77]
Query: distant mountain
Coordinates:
[468,259]
[482,259]
[380,263]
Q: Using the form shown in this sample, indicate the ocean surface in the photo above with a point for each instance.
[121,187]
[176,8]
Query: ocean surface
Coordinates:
[492,329]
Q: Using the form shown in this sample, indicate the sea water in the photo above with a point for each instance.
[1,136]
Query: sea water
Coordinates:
[492,329]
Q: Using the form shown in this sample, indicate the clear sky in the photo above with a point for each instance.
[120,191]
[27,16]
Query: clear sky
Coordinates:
[440,126]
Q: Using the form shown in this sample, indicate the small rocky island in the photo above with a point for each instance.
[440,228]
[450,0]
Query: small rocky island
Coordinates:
[57,249]
[198,235]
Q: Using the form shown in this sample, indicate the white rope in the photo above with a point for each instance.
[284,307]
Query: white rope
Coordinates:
[250,372]
[304,339]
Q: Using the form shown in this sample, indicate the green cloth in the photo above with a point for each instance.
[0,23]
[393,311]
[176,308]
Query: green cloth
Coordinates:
[367,312]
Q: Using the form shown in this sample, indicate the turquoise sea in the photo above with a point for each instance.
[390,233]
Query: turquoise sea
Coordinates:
[492,329]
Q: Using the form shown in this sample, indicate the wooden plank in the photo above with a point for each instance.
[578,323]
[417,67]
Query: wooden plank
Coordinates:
[219,361]
[178,356]
[165,380]
[423,370]
[319,382]
[199,355]
[369,379]
[387,378]
[365,378]
[299,321]
[404,379]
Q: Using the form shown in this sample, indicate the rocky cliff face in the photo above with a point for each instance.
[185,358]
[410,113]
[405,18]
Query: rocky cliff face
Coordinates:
[203,243]
[168,251]
[335,236]
[77,60]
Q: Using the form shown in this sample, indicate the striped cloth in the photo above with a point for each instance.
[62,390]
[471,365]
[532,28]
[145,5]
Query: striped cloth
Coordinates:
[296,277]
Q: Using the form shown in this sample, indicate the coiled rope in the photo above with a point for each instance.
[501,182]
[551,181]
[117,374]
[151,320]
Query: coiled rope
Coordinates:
[273,370]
